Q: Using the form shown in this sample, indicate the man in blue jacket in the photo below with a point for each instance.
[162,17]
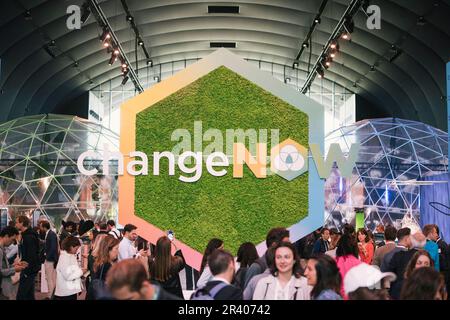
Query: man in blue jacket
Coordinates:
[430,232]
[50,257]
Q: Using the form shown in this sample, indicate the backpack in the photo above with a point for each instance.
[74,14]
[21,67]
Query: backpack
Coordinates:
[203,294]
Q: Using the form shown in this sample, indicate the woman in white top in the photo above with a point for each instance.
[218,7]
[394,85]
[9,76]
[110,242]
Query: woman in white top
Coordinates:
[68,271]
[205,273]
[285,281]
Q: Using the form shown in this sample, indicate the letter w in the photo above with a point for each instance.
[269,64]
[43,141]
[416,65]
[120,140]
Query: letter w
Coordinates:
[335,154]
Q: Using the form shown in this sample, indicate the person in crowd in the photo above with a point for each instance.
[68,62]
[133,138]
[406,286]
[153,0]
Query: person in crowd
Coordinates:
[246,255]
[275,236]
[444,258]
[420,259]
[404,242]
[128,280]
[399,262]
[348,229]
[205,272]
[418,240]
[68,272]
[366,282]
[50,256]
[29,252]
[285,281]
[323,275]
[165,268]
[390,233]
[93,254]
[7,291]
[67,229]
[12,251]
[127,249]
[379,236]
[365,246]
[107,254]
[222,266]
[424,284]
[322,244]
[112,230]
[335,235]
[251,286]
[346,256]
[305,245]
[103,226]
[431,233]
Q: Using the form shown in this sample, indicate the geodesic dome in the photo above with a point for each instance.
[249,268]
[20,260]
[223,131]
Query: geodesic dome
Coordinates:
[39,174]
[394,155]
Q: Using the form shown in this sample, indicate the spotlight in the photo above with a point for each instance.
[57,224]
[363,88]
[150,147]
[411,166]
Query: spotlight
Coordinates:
[106,44]
[355,85]
[85,12]
[156,78]
[372,68]
[27,15]
[295,65]
[140,42]
[320,72]
[305,44]
[124,65]
[150,62]
[333,54]
[328,62]
[421,21]
[129,18]
[346,36]
[105,35]
[333,44]
[116,52]
[125,80]
[317,20]
[287,80]
[112,59]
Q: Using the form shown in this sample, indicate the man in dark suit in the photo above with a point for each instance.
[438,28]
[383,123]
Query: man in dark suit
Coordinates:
[322,244]
[29,252]
[221,264]
[50,257]
[444,258]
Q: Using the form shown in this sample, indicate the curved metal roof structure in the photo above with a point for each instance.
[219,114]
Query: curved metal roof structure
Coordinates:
[412,86]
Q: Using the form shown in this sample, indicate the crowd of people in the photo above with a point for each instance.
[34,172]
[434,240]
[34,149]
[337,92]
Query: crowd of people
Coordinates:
[97,261]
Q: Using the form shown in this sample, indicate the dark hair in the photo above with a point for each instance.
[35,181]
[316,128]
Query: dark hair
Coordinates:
[402,233]
[103,226]
[247,254]
[213,244]
[348,228]
[347,245]
[437,229]
[219,260]
[105,246]
[129,272]
[428,228]
[163,260]
[390,233]
[335,231]
[70,242]
[323,230]
[24,220]
[45,224]
[9,232]
[364,293]
[364,232]
[422,284]
[276,235]
[111,223]
[128,228]
[327,274]
[296,268]
[270,257]
[412,263]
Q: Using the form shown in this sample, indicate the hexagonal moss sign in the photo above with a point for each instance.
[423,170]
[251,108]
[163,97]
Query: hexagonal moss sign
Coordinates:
[217,102]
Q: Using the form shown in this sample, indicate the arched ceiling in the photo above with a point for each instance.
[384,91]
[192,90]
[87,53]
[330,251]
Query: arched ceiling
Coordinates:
[412,86]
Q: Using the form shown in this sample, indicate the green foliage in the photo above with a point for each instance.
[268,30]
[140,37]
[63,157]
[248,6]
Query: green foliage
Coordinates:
[235,210]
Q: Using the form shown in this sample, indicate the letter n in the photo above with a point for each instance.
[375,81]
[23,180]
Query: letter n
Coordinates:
[257,165]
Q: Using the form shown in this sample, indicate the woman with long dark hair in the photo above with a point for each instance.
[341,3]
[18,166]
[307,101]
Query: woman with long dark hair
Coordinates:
[164,268]
[346,256]
[323,274]
[420,259]
[285,281]
[246,255]
[365,246]
[205,273]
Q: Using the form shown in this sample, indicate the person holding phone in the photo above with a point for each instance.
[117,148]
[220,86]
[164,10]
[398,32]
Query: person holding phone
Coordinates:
[165,268]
